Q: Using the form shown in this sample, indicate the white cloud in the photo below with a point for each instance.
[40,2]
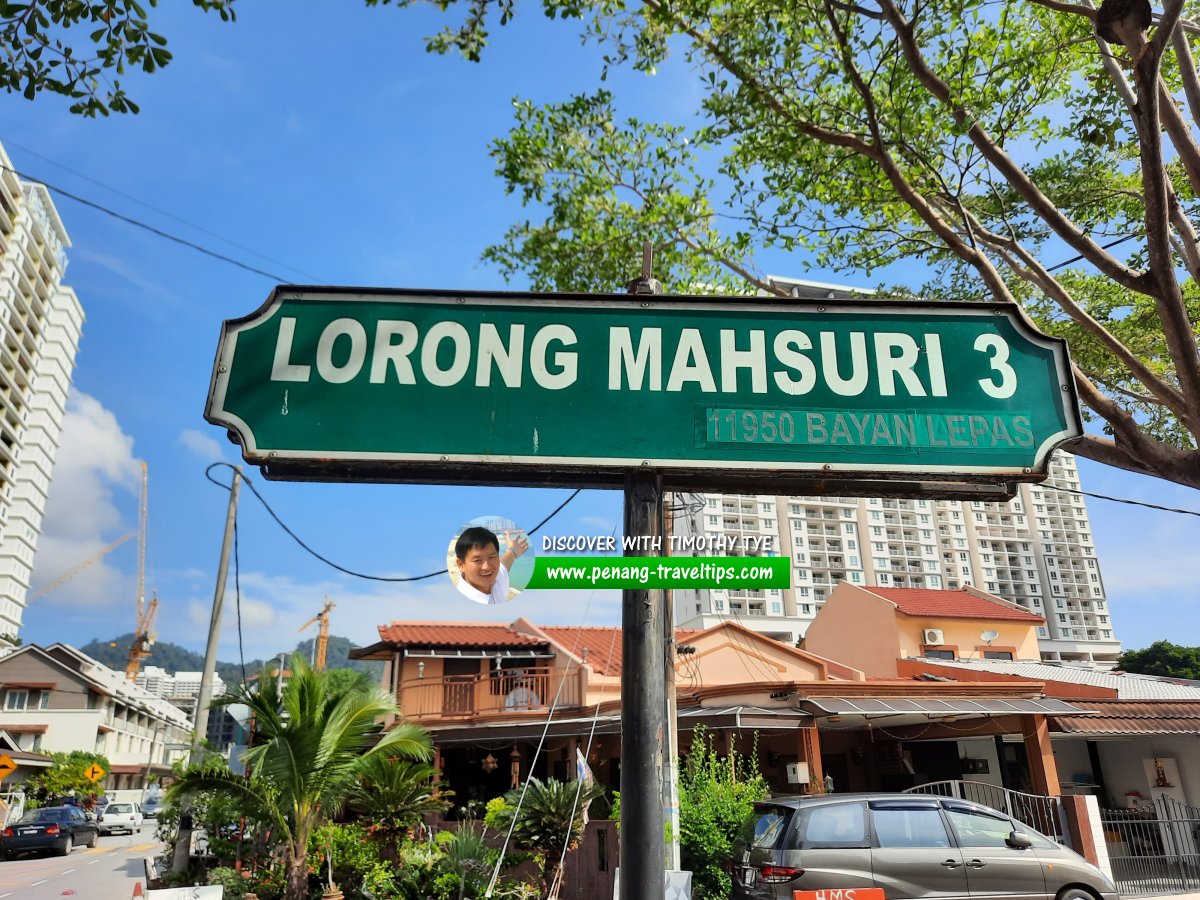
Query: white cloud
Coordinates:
[95,461]
[203,445]
[131,276]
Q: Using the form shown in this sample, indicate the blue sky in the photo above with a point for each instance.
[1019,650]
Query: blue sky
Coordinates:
[340,152]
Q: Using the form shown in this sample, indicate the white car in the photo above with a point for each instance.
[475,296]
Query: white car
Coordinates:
[120,817]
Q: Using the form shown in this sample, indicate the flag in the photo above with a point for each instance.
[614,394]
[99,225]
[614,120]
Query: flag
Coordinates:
[583,774]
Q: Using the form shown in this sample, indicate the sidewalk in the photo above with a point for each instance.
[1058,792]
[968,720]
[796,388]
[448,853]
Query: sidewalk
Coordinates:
[1189,896]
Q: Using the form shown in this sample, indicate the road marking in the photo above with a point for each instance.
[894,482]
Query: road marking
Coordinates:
[66,871]
[9,894]
[36,883]
[141,847]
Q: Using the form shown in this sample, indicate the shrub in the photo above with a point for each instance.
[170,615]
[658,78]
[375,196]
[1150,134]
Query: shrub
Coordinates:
[716,811]
[232,882]
[350,851]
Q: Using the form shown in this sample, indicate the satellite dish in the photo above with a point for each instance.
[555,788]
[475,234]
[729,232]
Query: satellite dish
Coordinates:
[989,635]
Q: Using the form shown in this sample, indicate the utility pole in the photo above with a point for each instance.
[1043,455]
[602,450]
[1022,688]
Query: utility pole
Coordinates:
[670,760]
[643,733]
[183,839]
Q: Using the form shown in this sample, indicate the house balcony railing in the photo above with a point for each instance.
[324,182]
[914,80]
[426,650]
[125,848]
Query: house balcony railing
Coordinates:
[516,691]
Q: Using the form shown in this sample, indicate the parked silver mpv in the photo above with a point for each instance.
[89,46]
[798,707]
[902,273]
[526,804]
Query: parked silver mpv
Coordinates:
[911,845]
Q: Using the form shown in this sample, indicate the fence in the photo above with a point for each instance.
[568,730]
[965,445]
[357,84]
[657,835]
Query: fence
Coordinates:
[1042,813]
[501,691]
[1154,847]
[12,807]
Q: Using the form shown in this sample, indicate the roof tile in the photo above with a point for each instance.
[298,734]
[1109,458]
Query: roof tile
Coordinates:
[455,634]
[952,605]
[1125,717]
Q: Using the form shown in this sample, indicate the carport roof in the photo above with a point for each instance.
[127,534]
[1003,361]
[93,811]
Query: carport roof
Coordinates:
[894,706]
[1124,717]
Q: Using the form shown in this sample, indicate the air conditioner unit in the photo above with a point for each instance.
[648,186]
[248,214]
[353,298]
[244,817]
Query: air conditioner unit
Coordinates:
[933,636]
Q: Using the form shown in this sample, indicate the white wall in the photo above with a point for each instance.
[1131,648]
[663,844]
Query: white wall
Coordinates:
[984,748]
[1071,757]
[1122,759]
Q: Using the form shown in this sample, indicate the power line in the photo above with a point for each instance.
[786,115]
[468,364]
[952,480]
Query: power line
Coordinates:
[295,537]
[1170,509]
[139,224]
[150,206]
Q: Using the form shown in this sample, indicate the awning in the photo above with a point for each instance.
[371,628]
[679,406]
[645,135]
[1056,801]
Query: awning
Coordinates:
[725,717]
[1118,717]
[454,653]
[894,706]
[1097,725]
[25,729]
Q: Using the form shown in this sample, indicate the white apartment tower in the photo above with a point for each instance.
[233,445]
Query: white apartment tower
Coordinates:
[1035,550]
[40,324]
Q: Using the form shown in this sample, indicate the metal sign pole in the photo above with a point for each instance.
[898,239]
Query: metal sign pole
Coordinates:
[643,688]
[643,731]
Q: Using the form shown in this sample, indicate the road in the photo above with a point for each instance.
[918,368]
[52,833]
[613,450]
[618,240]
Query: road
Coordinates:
[108,871]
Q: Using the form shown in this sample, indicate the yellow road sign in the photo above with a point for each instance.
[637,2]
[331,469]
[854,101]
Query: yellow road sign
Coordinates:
[94,772]
[7,766]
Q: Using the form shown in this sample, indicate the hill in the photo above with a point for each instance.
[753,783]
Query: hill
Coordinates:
[175,658]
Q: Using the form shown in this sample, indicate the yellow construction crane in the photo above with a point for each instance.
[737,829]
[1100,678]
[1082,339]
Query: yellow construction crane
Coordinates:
[78,567]
[322,633]
[143,635]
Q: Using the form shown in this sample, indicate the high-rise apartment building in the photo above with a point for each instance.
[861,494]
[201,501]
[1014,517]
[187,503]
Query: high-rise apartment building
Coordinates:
[40,324]
[1035,550]
[181,688]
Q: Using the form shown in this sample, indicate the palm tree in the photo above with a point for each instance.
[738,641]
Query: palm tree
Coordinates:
[550,819]
[394,794]
[312,741]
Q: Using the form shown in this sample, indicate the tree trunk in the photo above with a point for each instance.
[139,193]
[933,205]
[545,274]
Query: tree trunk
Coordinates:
[296,872]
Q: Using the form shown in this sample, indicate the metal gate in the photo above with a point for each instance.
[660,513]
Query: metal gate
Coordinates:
[1154,846]
[1045,814]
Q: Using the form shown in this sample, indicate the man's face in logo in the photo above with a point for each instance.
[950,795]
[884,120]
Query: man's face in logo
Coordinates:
[480,566]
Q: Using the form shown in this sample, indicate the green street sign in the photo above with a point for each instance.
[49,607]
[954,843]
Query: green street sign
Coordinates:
[348,384]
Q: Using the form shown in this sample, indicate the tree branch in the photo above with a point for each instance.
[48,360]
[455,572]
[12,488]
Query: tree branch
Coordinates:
[1168,297]
[1042,205]
[1031,270]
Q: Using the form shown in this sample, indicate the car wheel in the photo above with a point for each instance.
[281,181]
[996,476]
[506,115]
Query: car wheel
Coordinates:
[1075,893]
[91,841]
[66,846]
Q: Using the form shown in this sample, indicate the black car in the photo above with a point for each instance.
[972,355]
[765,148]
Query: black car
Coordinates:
[56,828]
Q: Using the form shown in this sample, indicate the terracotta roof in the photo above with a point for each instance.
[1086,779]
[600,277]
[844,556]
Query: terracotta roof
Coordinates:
[1130,717]
[481,635]
[603,644]
[951,605]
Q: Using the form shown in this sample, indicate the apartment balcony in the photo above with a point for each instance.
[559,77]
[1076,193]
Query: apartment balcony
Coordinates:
[519,691]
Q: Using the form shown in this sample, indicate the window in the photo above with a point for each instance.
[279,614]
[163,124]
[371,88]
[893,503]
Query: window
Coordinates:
[831,825]
[938,654]
[978,829]
[44,700]
[909,827]
[997,654]
[14,699]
